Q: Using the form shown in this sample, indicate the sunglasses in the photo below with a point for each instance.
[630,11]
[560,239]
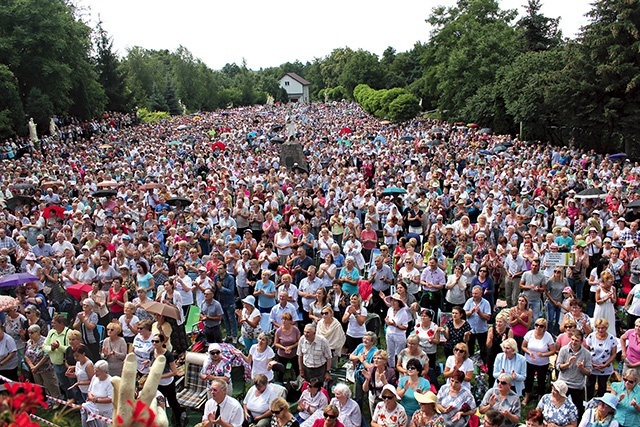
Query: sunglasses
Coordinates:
[214,352]
[331,417]
[502,382]
[276,412]
[155,341]
[540,325]
[459,350]
[388,397]
[325,313]
[110,329]
[627,380]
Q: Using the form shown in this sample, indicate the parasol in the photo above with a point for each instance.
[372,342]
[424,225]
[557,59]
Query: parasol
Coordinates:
[392,191]
[591,193]
[162,309]
[17,279]
[77,289]
[107,184]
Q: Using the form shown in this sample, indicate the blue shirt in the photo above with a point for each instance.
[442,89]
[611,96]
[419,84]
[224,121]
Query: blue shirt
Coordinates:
[269,288]
[477,323]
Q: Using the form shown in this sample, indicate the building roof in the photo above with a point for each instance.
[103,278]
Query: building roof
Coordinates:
[297,78]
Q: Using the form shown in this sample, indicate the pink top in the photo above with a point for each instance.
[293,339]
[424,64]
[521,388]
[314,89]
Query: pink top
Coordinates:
[520,330]
[633,346]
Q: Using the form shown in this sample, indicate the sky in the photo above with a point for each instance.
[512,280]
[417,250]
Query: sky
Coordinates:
[269,33]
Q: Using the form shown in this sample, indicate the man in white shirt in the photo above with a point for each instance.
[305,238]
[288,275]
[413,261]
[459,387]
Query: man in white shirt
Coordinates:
[222,410]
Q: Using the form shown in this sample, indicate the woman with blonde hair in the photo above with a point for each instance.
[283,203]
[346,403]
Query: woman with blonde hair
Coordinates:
[114,348]
[330,328]
[605,299]
[281,415]
[604,348]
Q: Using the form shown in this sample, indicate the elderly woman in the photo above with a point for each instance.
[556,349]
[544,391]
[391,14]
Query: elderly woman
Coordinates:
[459,361]
[628,393]
[512,363]
[427,415]
[503,399]
[217,368]
[33,316]
[349,410]
[602,415]
[413,351]
[362,359]
[379,375]
[260,357]
[455,403]
[39,363]
[604,348]
[412,383]
[86,322]
[630,346]
[99,396]
[397,322]
[456,287]
[576,314]
[428,334]
[330,328]
[311,400]
[349,276]
[281,415]
[128,321]
[285,341]
[498,333]
[558,411]
[142,346]
[256,403]
[388,413]
[355,315]
[114,348]
[538,345]
[8,356]
[249,321]
[83,371]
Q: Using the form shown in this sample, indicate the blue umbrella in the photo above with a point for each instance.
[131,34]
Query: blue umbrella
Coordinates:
[485,152]
[407,138]
[392,191]
[380,139]
[485,130]
[618,156]
[17,279]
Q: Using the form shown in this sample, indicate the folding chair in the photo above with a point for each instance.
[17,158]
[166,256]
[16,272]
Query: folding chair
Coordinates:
[194,393]
[193,318]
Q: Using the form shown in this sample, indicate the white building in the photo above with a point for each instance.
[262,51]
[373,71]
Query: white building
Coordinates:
[297,88]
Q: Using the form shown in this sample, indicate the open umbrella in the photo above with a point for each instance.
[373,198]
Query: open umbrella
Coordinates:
[183,127]
[380,139]
[17,279]
[107,184]
[276,128]
[485,152]
[385,122]
[485,130]
[344,131]
[19,200]
[634,204]
[392,191]
[77,289]
[7,302]
[433,143]
[436,130]
[277,140]
[150,186]
[22,186]
[105,193]
[53,210]
[174,143]
[499,149]
[407,138]
[473,125]
[178,201]
[218,145]
[590,193]
[104,146]
[618,156]
[161,308]
[53,184]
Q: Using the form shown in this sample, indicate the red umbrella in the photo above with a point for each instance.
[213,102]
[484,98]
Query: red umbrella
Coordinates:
[77,289]
[53,210]
[218,145]
[344,131]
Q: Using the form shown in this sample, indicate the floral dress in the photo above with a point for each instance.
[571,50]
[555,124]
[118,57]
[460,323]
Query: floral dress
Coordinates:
[36,353]
[220,369]
[601,351]
[419,419]
[395,418]
[560,415]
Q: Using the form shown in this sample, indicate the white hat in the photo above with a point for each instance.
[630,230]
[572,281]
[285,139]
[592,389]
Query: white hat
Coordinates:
[392,389]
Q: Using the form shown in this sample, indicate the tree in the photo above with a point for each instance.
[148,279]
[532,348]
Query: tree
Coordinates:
[11,111]
[404,107]
[109,72]
[171,98]
[537,32]
[40,107]
[599,89]
[157,101]
[469,44]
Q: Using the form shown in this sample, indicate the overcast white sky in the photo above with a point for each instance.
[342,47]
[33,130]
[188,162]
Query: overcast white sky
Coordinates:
[268,33]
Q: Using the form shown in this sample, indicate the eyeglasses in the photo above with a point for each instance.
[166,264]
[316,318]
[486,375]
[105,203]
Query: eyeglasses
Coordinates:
[155,341]
[540,325]
[331,417]
[110,329]
[412,368]
[502,382]
[459,350]
[482,271]
[276,412]
[325,313]
[569,326]
[627,380]
[214,352]
[387,397]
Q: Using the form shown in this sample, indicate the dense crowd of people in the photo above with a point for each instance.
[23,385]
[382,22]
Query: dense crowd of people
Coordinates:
[402,249]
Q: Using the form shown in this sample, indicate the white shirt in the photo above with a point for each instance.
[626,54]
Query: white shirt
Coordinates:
[230,410]
[260,361]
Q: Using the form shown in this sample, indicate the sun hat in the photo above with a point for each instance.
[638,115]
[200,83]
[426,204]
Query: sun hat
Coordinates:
[390,388]
[428,397]
[608,399]
[250,299]
[397,298]
[561,387]
[567,289]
